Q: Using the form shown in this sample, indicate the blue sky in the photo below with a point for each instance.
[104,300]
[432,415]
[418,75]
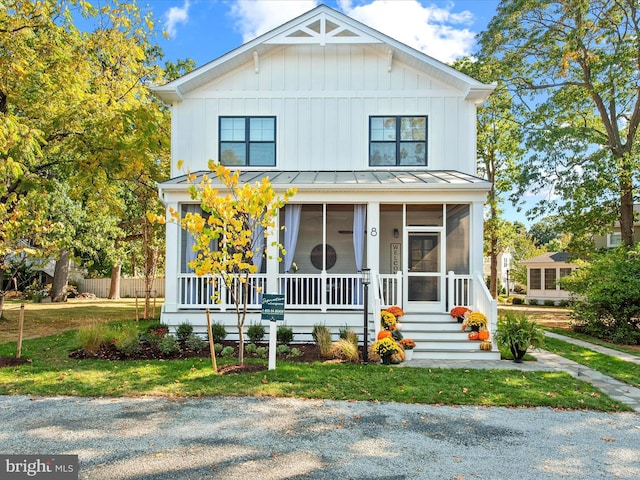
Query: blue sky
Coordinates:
[206,29]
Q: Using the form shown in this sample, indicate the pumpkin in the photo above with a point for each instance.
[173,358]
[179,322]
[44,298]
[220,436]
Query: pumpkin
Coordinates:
[384,334]
[473,335]
[483,335]
[486,345]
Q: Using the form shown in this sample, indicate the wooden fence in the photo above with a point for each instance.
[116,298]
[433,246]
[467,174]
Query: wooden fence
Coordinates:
[128,287]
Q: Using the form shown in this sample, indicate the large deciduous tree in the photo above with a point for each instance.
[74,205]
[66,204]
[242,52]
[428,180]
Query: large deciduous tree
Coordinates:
[498,151]
[75,110]
[574,65]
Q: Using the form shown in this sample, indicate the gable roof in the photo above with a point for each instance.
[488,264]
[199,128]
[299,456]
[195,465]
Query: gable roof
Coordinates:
[549,257]
[321,26]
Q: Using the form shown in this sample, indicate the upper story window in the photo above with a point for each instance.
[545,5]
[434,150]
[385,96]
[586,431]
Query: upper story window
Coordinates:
[248,141]
[398,141]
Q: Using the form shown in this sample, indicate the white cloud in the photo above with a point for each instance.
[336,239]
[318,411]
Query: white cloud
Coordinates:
[433,30]
[258,17]
[174,16]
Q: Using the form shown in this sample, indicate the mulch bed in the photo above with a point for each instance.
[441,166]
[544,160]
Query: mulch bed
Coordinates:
[308,353]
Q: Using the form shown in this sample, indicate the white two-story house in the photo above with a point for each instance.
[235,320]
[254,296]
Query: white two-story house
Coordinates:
[380,142]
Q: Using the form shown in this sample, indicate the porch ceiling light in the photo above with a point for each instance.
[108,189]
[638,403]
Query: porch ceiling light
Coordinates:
[366,276]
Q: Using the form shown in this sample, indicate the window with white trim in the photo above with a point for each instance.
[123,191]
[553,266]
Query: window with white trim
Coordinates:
[398,141]
[247,141]
[535,279]
[614,239]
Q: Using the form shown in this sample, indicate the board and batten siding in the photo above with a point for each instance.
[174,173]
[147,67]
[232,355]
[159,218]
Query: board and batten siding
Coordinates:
[322,98]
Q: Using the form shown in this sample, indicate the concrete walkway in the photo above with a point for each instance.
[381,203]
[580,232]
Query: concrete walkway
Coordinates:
[548,361]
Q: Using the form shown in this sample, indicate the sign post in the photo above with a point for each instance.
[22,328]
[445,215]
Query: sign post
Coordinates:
[272,310]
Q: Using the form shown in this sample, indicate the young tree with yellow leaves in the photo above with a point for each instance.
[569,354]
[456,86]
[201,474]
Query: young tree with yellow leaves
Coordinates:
[224,237]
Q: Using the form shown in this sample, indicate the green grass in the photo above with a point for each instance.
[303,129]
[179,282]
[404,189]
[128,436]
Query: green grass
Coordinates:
[622,370]
[52,372]
[595,341]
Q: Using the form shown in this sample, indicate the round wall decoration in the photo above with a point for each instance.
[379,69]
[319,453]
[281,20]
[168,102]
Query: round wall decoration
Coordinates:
[316,256]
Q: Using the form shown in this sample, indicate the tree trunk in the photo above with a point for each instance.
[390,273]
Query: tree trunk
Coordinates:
[114,287]
[61,277]
[626,217]
[1,304]
[149,277]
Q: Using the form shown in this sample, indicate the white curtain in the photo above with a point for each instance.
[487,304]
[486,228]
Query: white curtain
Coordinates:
[292,214]
[359,225]
[189,242]
[258,245]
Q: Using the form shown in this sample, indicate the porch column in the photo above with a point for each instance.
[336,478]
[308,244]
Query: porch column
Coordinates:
[477,238]
[373,237]
[272,254]
[172,262]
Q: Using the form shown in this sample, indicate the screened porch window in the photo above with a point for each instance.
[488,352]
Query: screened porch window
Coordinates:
[535,279]
[398,141]
[248,141]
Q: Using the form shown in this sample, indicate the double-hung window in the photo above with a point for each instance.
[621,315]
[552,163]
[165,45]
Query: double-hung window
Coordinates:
[248,141]
[398,141]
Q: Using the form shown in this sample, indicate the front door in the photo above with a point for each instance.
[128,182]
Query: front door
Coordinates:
[424,288]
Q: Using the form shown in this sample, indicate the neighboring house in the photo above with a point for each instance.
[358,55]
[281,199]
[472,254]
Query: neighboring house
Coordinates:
[505,263]
[380,142]
[543,273]
[614,238]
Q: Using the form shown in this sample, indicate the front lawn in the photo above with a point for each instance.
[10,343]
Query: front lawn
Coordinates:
[52,372]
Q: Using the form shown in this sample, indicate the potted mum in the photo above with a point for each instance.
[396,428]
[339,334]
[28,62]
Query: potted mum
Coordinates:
[476,320]
[458,313]
[386,347]
[408,345]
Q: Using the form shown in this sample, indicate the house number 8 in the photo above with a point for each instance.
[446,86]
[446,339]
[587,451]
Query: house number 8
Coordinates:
[374,232]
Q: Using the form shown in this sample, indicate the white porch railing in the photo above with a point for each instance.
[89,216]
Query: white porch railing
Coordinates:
[302,291]
[472,292]
[210,291]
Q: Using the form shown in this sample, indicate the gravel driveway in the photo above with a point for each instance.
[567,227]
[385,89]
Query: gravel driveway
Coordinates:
[243,438]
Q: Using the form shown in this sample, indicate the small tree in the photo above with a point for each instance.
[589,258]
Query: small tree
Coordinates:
[233,212]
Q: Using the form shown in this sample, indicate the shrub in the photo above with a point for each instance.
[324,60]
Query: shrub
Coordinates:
[344,350]
[217,347]
[282,349]
[284,334]
[517,301]
[255,333]
[195,343]
[227,352]
[606,301]
[251,349]
[262,352]
[347,334]
[218,331]
[169,345]
[91,337]
[127,339]
[322,337]
[183,331]
[533,301]
[549,303]
[295,352]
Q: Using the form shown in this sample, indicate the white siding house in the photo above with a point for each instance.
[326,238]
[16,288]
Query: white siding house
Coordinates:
[543,273]
[380,142]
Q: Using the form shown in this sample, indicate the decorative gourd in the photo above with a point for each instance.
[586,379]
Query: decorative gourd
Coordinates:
[473,335]
[486,345]
[483,335]
[384,334]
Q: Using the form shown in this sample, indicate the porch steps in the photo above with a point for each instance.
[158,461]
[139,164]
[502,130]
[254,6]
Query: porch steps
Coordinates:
[438,336]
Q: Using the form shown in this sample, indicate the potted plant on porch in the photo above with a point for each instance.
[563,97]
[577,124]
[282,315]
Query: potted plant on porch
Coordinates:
[517,333]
